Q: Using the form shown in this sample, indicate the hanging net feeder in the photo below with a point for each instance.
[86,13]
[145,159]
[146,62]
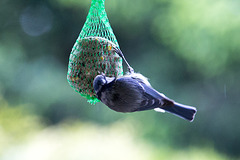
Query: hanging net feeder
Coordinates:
[93,53]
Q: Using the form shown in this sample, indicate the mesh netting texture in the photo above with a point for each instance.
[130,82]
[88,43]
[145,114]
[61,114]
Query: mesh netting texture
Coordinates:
[93,53]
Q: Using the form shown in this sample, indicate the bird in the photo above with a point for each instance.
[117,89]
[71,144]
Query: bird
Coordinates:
[133,92]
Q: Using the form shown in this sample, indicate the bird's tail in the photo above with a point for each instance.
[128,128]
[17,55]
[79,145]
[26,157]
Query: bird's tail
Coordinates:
[182,111]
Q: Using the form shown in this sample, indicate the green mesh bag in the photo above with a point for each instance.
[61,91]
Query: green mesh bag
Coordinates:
[93,53]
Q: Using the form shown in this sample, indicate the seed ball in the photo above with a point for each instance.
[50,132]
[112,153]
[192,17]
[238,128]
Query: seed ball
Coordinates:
[90,57]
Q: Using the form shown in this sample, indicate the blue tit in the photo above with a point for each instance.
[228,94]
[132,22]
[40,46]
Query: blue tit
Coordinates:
[133,92]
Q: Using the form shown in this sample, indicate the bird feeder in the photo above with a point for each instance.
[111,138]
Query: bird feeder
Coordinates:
[93,53]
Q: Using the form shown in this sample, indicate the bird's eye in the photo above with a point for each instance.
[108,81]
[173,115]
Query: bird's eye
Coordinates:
[100,83]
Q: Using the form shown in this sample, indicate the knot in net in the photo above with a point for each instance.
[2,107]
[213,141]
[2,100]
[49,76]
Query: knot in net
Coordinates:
[93,53]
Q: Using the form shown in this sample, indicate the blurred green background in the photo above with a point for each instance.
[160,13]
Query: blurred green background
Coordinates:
[189,49]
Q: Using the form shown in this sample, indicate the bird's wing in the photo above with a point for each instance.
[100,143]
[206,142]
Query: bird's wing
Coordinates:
[125,94]
[152,98]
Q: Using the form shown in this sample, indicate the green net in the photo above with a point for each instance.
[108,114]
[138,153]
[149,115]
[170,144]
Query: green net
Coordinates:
[93,53]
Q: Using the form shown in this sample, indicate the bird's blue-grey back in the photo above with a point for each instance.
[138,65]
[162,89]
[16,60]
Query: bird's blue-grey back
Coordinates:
[133,92]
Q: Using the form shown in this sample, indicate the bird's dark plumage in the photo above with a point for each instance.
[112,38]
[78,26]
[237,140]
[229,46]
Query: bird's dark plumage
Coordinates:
[133,92]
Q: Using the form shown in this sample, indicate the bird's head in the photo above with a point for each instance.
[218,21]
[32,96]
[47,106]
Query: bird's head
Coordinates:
[100,81]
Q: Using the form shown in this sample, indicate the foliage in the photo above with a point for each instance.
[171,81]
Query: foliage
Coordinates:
[188,49]
[76,140]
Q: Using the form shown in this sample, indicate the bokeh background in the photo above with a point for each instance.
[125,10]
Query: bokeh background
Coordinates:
[189,50]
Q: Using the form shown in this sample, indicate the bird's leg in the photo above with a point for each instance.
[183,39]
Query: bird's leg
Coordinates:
[119,52]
